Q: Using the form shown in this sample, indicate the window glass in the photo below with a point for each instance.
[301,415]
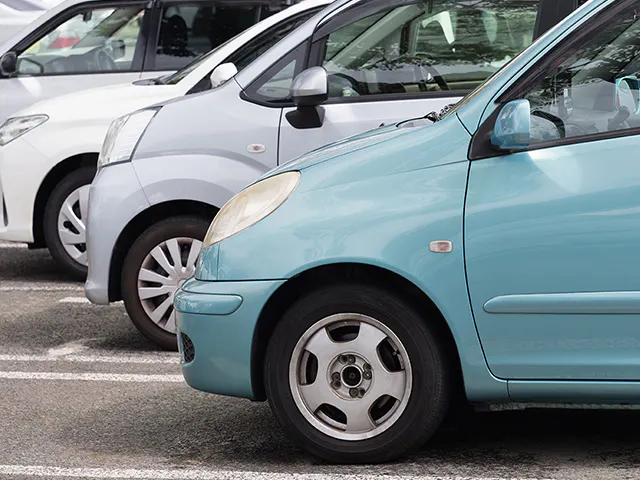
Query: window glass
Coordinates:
[188,31]
[99,40]
[274,86]
[252,50]
[595,89]
[428,46]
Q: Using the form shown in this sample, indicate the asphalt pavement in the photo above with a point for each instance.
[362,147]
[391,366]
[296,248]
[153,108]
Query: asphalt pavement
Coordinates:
[83,395]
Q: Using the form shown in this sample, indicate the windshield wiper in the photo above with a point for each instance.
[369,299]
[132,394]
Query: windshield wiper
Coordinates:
[437,116]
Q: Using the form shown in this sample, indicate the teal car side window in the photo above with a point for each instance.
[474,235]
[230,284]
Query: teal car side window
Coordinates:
[594,89]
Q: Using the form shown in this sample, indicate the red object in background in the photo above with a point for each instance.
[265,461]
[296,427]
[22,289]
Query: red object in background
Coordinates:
[64,42]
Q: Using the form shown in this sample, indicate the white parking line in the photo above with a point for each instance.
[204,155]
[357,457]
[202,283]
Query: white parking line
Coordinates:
[39,287]
[12,245]
[142,359]
[74,300]
[92,377]
[195,474]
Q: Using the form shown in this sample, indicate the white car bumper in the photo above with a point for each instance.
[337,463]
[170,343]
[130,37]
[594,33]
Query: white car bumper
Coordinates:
[21,167]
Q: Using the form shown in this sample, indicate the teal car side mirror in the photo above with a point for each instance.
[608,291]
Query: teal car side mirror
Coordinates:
[512,130]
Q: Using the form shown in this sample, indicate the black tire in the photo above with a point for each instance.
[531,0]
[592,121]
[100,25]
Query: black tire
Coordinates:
[430,396]
[188,226]
[74,180]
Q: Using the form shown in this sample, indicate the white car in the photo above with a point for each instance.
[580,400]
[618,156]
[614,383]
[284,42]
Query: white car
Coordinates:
[57,141]
[82,44]
[17,14]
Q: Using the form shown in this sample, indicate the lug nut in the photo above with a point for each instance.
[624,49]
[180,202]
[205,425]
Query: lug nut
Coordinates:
[367,375]
[335,376]
[351,359]
[353,392]
[361,392]
[366,366]
[344,359]
[337,384]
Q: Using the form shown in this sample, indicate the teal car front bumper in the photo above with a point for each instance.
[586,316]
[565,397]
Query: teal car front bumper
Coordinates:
[216,322]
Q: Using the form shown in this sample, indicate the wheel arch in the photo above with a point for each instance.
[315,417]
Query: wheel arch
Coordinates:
[53,178]
[326,275]
[140,223]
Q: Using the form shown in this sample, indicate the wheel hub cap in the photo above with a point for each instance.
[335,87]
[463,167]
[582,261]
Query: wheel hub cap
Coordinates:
[72,229]
[163,271]
[350,376]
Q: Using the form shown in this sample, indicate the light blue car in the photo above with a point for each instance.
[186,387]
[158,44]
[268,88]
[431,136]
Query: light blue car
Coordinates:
[494,252]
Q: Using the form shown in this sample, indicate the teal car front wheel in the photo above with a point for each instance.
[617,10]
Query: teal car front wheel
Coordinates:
[356,375]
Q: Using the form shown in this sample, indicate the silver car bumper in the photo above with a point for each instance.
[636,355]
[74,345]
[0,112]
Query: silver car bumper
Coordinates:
[115,199]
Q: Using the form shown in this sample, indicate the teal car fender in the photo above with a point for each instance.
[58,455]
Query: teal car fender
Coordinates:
[381,206]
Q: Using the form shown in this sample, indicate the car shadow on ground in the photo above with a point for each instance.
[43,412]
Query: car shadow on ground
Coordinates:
[189,428]
[47,323]
[21,264]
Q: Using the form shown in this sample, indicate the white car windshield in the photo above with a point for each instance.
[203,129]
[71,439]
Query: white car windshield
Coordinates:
[178,76]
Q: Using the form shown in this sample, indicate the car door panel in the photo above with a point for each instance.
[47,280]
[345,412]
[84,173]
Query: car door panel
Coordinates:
[391,61]
[551,238]
[347,119]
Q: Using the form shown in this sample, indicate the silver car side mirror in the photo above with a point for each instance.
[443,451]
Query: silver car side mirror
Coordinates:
[222,74]
[310,88]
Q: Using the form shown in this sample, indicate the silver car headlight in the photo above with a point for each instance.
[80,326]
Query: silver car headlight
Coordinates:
[18,126]
[123,137]
[251,205]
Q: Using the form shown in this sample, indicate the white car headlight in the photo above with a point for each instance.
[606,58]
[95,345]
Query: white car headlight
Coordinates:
[251,205]
[18,126]
[123,137]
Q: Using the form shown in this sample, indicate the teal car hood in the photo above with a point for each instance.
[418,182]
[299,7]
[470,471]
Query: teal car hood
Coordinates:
[397,148]
[340,148]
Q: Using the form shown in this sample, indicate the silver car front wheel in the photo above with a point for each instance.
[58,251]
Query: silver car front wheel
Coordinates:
[163,271]
[161,259]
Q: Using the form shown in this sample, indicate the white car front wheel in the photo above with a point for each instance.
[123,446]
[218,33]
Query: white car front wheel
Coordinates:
[65,221]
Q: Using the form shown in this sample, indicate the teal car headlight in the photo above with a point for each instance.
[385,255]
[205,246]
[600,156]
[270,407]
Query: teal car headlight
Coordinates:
[251,205]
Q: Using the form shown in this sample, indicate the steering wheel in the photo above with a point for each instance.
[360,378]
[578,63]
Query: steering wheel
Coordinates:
[104,62]
[426,63]
[350,81]
[557,121]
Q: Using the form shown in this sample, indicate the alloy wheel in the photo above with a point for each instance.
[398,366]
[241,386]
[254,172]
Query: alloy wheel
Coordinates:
[163,271]
[350,376]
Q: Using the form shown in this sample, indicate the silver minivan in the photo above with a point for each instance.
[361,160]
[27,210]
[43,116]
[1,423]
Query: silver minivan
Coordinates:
[165,171]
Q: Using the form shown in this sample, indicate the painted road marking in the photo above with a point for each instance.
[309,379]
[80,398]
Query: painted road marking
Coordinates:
[196,474]
[93,377]
[12,245]
[74,300]
[38,287]
[142,359]
[85,300]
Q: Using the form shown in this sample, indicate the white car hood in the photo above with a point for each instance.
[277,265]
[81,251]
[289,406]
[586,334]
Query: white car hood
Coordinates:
[102,103]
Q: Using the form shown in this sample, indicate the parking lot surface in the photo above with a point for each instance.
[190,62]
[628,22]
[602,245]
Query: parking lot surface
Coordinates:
[83,395]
